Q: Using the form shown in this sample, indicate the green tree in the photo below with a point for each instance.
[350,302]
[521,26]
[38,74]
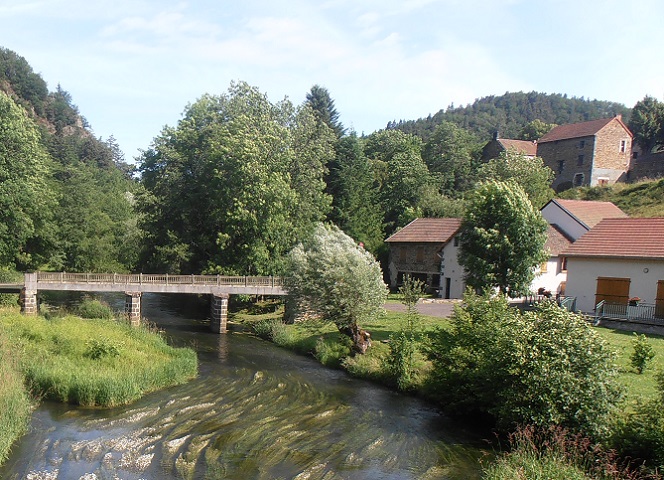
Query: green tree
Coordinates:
[322,104]
[235,185]
[451,154]
[541,368]
[529,173]
[355,207]
[535,130]
[332,276]
[647,123]
[26,198]
[502,238]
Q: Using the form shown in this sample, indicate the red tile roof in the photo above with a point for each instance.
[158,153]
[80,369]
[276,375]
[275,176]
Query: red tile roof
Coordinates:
[427,230]
[630,238]
[522,146]
[556,241]
[590,213]
[577,130]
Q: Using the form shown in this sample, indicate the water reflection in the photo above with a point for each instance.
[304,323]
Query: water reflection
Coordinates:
[255,412]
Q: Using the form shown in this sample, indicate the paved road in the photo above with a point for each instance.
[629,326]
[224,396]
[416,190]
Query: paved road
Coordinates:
[433,309]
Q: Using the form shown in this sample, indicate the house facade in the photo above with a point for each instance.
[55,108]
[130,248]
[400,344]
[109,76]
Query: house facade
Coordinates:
[498,145]
[619,259]
[427,249]
[591,153]
[576,217]
[552,274]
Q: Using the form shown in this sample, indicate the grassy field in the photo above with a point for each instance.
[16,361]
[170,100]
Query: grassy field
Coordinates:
[91,362]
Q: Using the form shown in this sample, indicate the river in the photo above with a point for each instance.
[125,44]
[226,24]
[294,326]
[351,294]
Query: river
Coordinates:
[254,412]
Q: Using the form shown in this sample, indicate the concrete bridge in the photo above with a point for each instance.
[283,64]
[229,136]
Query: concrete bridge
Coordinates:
[219,287]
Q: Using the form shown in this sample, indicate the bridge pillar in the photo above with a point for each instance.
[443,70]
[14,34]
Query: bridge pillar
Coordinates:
[219,313]
[28,301]
[133,307]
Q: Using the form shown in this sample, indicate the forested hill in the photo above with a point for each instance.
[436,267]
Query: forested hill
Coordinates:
[509,114]
[66,200]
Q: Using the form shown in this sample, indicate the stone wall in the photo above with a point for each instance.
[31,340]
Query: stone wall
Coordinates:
[647,166]
[419,259]
[568,152]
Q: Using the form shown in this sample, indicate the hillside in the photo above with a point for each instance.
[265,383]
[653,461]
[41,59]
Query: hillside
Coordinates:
[642,199]
[509,113]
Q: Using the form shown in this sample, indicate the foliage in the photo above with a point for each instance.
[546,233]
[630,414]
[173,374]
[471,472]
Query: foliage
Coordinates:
[351,183]
[332,276]
[16,75]
[26,198]
[434,204]
[502,238]
[60,363]
[234,186]
[15,404]
[647,123]
[643,352]
[93,308]
[511,112]
[404,344]
[535,130]
[324,109]
[530,174]
[331,352]
[452,155]
[555,454]
[542,367]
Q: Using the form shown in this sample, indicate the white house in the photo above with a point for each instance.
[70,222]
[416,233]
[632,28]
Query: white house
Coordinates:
[576,217]
[618,259]
[552,274]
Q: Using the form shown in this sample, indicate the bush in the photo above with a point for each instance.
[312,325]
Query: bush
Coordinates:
[331,353]
[102,347]
[93,308]
[542,367]
[642,354]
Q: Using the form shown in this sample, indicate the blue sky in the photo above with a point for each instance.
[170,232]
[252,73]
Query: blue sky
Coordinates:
[132,66]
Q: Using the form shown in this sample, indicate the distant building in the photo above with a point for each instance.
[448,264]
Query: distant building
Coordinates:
[495,147]
[588,153]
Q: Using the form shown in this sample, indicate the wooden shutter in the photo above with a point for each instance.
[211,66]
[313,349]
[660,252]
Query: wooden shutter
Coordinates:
[612,290]
[659,301]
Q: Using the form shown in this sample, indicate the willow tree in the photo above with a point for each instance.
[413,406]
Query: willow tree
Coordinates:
[235,185]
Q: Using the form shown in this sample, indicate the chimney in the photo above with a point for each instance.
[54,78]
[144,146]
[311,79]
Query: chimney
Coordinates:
[496,135]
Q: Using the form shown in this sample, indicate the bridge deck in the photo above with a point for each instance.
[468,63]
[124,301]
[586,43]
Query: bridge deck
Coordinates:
[158,283]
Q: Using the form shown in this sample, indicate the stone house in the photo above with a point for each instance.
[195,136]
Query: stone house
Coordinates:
[618,259]
[592,153]
[427,249]
[494,148]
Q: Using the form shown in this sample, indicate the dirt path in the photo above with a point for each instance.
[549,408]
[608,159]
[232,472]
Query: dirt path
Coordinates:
[433,309]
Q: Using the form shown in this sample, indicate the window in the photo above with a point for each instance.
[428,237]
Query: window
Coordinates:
[602,182]
[456,241]
[580,160]
[561,166]
[420,255]
[578,179]
[403,254]
[563,264]
[623,146]
[635,155]
[544,267]
[582,143]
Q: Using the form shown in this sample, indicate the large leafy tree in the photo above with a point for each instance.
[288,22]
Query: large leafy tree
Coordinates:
[332,276]
[530,173]
[452,153]
[535,130]
[26,198]
[235,185]
[502,238]
[647,123]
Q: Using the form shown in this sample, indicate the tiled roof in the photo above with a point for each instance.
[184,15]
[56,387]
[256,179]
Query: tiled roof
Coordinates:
[427,230]
[575,130]
[590,213]
[633,238]
[556,241]
[522,146]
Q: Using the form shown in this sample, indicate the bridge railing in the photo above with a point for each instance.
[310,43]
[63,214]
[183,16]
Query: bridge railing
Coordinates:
[159,279]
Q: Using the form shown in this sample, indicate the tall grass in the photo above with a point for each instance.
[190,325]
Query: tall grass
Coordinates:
[95,362]
[15,406]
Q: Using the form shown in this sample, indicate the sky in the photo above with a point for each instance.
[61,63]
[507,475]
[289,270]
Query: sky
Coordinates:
[133,66]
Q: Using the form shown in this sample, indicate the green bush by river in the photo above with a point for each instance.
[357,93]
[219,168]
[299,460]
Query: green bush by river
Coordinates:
[89,362]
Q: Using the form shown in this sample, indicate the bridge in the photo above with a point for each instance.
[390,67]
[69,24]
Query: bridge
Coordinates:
[219,287]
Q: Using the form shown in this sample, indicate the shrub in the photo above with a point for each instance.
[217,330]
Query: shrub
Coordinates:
[102,347]
[330,352]
[642,354]
[542,367]
[93,308]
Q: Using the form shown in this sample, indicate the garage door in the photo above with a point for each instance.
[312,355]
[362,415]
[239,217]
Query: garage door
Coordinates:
[612,290]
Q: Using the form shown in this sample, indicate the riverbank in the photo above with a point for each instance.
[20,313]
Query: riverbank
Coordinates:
[88,362]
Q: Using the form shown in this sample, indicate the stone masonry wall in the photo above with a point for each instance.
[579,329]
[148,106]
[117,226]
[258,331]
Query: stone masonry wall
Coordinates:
[568,152]
[418,258]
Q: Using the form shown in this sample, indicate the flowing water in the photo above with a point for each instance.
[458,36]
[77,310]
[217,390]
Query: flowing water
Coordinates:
[254,412]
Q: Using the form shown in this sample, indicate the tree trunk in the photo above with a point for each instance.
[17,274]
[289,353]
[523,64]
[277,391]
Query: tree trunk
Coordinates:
[361,338]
